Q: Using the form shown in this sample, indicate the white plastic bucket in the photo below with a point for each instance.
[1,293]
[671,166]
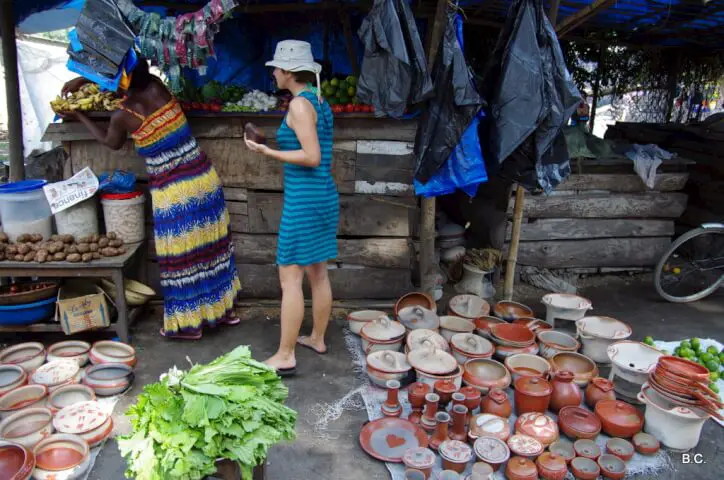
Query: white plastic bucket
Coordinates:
[124,215]
[80,220]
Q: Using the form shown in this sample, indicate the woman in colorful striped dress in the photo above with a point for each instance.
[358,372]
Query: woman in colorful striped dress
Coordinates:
[191,223]
[308,229]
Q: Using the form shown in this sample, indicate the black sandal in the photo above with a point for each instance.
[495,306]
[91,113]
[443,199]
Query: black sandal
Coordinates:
[286,372]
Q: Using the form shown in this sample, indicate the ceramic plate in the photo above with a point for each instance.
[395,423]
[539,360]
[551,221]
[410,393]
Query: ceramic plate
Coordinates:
[525,446]
[53,373]
[387,439]
[469,306]
[80,418]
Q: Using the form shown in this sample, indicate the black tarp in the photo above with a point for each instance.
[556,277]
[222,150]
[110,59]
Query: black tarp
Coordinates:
[451,110]
[531,98]
[394,73]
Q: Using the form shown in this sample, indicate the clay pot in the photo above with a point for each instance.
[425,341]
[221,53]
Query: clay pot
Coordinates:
[420,459]
[612,467]
[510,311]
[485,374]
[577,422]
[423,338]
[483,324]
[511,335]
[482,470]
[468,346]
[428,420]
[619,419]
[451,326]
[441,430]
[419,318]
[532,394]
[468,306]
[392,407]
[473,399]
[646,444]
[581,366]
[526,365]
[455,455]
[379,334]
[535,325]
[621,448]
[487,425]
[416,395]
[565,392]
[563,448]
[497,403]
[415,299]
[459,417]
[502,352]
[599,389]
[386,365]
[585,469]
[492,451]
[16,461]
[587,448]
[445,389]
[357,320]
[553,342]
[433,364]
[521,468]
[552,466]
[539,426]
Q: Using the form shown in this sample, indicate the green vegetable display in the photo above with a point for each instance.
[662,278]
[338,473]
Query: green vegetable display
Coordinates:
[232,408]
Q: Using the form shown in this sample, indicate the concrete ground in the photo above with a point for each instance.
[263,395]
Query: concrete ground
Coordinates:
[328,378]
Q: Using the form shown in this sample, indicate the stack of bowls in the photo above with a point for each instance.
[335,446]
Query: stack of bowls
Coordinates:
[512,339]
[684,383]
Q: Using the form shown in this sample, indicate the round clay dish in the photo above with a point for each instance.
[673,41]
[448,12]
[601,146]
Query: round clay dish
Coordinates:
[619,419]
[587,448]
[564,448]
[512,334]
[468,306]
[525,446]
[621,448]
[415,299]
[539,426]
[388,438]
[612,467]
[510,311]
[585,469]
[577,422]
[491,450]
[646,444]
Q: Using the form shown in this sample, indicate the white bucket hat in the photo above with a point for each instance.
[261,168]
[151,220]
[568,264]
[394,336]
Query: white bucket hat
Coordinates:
[296,56]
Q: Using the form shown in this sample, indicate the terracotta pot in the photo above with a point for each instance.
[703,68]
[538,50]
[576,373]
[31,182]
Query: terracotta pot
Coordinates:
[420,459]
[418,318]
[521,468]
[416,396]
[526,365]
[492,451]
[612,467]
[357,320]
[582,367]
[565,392]
[432,361]
[553,342]
[456,376]
[646,444]
[563,448]
[585,469]
[511,335]
[510,311]
[587,449]
[441,430]
[497,403]
[12,377]
[483,324]
[428,421]
[415,299]
[535,325]
[455,455]
[459,417]
[525,446]
[485,374]
[109,351]
[621,448]
[532,394]
[451,326]
[29,356]
[445,389]
[387,365]
[468,306]
[377,335]
[473,398]
[417,339]
[552,466]
[577,422]
[539,426]
[61,456]
[599,389]
[468,346]
[487,425]
[685,368]
[16,461]
[69,350]
[29,396]
[27,427]
[392,407]
[619,419]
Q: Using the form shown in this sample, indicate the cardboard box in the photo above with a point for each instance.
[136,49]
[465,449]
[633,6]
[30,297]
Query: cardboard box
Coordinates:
[81,307]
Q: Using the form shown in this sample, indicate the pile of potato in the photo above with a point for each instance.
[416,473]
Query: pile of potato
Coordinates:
[60,248]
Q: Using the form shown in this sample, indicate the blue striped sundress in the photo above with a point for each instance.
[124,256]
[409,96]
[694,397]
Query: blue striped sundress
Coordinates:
[308,228]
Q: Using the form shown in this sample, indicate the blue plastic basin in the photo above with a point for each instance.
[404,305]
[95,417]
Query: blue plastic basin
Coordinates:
[28,313]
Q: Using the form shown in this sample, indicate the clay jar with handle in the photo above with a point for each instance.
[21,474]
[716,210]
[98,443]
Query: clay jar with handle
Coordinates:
[497,403]
[520,468]
[445,389]
[416,395]
[532,394]
[599,389]
[565,392]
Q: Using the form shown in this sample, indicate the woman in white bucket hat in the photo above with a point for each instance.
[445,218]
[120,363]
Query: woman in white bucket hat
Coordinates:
[308,228]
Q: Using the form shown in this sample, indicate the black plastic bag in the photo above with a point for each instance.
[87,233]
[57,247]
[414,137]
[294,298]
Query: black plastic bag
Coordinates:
[394,72]
[454,104]
[531,93]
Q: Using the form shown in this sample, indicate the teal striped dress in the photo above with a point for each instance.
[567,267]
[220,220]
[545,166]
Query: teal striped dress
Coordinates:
[308,229]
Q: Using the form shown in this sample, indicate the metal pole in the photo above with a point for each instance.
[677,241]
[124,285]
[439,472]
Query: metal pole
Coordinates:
[12,91]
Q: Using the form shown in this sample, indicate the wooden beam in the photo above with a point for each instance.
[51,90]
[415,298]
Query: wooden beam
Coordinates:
[545,229]
[623,182]
[12,91]
[583,15]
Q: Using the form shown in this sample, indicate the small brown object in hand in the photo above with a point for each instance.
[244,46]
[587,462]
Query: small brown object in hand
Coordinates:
[254,133]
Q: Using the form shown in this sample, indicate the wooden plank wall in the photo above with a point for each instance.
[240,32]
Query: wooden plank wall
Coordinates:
[601,221]
[373,176]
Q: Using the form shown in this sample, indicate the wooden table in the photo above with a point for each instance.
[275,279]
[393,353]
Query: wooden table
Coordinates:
[107,267]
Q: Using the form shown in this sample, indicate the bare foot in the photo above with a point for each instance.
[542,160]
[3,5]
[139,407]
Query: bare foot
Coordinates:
[281,362]
[317,345]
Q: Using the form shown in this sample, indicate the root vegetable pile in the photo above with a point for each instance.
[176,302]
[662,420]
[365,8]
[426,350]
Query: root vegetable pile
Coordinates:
[32,248]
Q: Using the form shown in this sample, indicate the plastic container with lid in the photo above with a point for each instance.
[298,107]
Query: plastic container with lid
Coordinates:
[124,215]
[80,220]
[24,209]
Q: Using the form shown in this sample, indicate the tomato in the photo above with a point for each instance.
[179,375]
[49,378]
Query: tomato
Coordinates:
[349,108]
[216,107]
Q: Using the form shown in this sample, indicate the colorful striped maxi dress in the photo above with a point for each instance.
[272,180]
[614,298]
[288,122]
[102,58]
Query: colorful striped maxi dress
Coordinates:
[310,216]
[191,224]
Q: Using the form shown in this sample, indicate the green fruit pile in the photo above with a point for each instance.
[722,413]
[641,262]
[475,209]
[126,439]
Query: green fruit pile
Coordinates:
[340,91]
[711,358]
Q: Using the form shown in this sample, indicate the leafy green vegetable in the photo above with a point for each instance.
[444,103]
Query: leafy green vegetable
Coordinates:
[231,408]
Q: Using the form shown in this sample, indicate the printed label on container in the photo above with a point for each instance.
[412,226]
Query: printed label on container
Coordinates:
[81,186]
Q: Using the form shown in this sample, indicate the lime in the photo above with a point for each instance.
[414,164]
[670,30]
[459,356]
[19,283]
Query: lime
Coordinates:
[687,352]
[696,343]
[707,357]
[685,344]
[677,351]
[713,377]
[713,388]
[351,91]
[325,84]
[352,80]
[649,341]
[712,349]
[334,82]
[721,357]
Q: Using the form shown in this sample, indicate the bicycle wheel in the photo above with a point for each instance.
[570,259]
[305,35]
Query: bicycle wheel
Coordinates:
[693,267]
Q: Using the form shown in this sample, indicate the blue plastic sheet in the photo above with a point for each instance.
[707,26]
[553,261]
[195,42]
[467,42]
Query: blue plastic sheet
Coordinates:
[118,181]
[465,168]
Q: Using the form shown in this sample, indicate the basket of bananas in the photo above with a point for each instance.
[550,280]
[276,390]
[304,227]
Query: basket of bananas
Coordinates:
[88,98]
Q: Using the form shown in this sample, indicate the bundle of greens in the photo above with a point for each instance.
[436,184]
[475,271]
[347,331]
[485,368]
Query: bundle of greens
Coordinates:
[233,408]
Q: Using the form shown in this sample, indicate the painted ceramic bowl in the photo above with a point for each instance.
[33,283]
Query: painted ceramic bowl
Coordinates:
[525,446]
[109,378]
[582,367]
[11,377]
[69,395]
[107,351]
[61,457]
[57,374]
[30,355]
[526,365]
[87,420]
[488,425]
[28,396]
[485,374]
[27,427]
[16,461]
[539,426]
[70,350]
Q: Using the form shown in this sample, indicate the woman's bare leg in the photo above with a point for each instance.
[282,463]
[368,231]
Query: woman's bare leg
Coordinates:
[321,306]
[290,277]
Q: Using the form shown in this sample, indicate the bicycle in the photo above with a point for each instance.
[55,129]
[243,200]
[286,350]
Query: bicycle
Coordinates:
[693,266]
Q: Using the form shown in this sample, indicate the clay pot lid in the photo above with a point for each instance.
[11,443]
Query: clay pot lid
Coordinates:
[366,315]
[469,306]
[683,367]
[388,361]
[471,344]
[564,376]
[16,461]
[445,387]
[457,324]
[489,425]
[525,446]
[432,361]
[533,386]
[521,468]
[419,458]
[498,396]
[603,327]
[80,418]
[537,425]
[552,462]
[416,317]
[516,334]
[382,330]
[491,450]
[603,384]
[579,419]
[619,413]
[426,338]
[57,372]
[455,451]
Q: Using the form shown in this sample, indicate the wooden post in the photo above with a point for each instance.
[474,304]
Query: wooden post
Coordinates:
[12,91]
[514,242]
[427,214]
